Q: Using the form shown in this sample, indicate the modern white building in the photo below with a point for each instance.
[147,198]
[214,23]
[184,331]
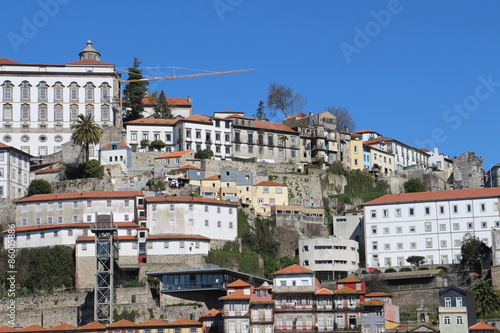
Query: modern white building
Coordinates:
[331,258]
[14,172]
[39,102]
[428,224]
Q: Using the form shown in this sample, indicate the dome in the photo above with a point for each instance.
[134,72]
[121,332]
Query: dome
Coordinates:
[89,52]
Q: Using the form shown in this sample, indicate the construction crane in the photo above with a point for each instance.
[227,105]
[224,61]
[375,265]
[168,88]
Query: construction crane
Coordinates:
[208,73]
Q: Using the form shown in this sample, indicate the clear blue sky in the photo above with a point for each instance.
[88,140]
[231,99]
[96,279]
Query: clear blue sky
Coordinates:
[423,72]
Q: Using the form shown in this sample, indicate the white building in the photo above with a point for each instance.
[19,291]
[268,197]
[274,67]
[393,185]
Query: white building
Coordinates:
[428,224]
[151,129]
[14,172]
[180,107]
[331,258]
[39,102]
[210,218]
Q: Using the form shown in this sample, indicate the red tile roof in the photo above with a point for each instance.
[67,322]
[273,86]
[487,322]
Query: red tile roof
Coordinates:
[235,295]
[183,236]
[349,279]
[189,200]
[489,192]
[48,170]
[6,328]
[153,322]
[90,62]
[347,290]
[300,115]
[122,144]
[482,326]
[7,61]
[176,154]
[77,225]
[238,283]
[33,328]
[215,177]
[365,131]
[171,101]
[239,116]
[189,166]
[324,291]
[378,294]
[184,322]
[122,323]
[211,313]
[83,239]
[293,269]
[92,326]
[267,125]
[373,302]
[81,195]
[270,183]
[229,111]
[198,118]
[152,121]
[63,327]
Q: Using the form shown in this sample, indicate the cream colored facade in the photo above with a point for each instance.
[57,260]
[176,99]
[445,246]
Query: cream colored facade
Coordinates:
[385,161]
[267,194]
[356,151]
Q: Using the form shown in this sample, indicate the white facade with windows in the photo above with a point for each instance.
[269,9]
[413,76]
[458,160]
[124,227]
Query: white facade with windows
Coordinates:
[38,103]
[214,219]
[14,172]
[428,224]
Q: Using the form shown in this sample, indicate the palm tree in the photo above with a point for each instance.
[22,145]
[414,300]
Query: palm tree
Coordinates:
[86,132]
[486,296]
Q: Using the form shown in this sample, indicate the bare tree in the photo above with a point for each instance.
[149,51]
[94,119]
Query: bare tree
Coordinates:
[283,99]
[345,122]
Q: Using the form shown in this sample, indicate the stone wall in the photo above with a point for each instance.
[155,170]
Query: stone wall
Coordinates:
[468,171]
[83,185]
[7,212]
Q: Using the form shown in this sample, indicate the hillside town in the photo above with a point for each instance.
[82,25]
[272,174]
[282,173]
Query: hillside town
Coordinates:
[230,222]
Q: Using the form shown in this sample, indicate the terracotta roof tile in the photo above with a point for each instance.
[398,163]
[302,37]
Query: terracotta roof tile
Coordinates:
[349,279]
[189,166]
[121,144]
[324,291]
[216,177]
[33,328]
[238,283]
[347,290]
[229,111]
[185,322]
[270,183]
[235,295]
[122,323]
[93,326]
[175,154]
[63,327]
[198,118]
[378,294]
[190,199]
[373,302]
[48,170]
[482,326]
[211,313]
[90,62]
[81,195]
[153,322]
[293,269]
[170,101]
[298,115]
[6,328]
[7,61]
[489,192]
[273,126]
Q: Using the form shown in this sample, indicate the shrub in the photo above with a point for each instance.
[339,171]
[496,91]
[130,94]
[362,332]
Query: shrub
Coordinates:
[39,186]
[94,169]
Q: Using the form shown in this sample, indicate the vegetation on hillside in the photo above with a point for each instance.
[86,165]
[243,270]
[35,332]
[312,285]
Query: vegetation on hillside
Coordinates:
[44,269]
[256,242]
[414,185]
[487,299]
[39,186]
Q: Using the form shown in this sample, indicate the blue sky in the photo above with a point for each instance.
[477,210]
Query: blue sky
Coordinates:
[424,72]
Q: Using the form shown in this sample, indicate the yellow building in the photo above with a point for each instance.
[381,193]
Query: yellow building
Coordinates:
[183,325]
[356,152]
[267,194]
[383,159]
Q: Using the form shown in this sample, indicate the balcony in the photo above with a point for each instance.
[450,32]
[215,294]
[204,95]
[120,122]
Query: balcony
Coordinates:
[293,307]
[294,328]
[294,289]
[236,313]
[261,319]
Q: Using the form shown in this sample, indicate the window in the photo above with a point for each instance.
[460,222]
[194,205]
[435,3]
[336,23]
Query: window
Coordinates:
[25,112]
[373,214]
[456,226]
[428,226]
[411,211]
[484,225]
[428,242]
[218,210]
[483,207]
[459,320]
[412,228]
[385,213]
[172,222]
[49,220]
[399,246]
[455,209]
[387,246]
[398,212]
[206,223]
[444,243]
[75,219]
[190,222]
[427,210]
[386,230]
[458,301]
[413,245]
[374,230]
[191,207]
[219,224]
[399,230]
[457,242]
[441,209]
[37,221]
[279,190]
[470,225]
[374,245]
[171,208]
[442,227]
[447,320]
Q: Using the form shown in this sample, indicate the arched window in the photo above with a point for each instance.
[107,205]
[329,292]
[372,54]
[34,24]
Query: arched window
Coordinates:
[58,91]
[89,92]
[43,89]
[73,92]
[58,112]
[7,90]
[7,112]
[25,90]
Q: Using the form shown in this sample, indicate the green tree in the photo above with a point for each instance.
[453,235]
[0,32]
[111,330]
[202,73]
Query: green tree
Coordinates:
[94,169]
[134,92]
[416,260]
[487,298]
[414,185]
[474,252]
[86,132]
[261,115]
[283,99]
[157,144]
[162,109]
[145,143]
[39,186]
[204,154]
